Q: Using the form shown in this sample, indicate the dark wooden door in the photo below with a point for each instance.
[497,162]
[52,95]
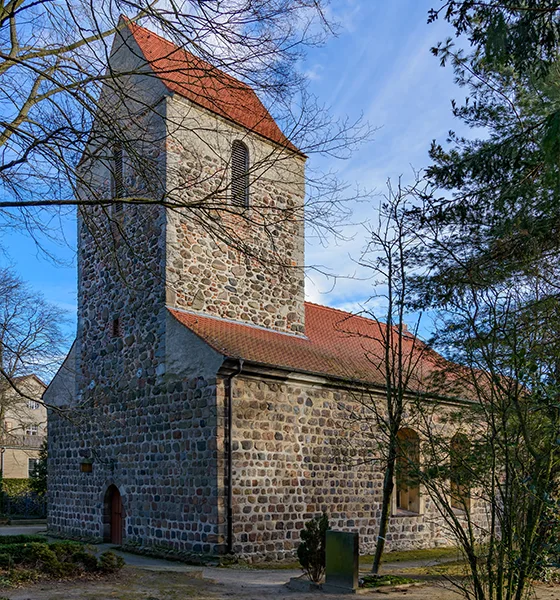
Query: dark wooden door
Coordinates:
[116,517]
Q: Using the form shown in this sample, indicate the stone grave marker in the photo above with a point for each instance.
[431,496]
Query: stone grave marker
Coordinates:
[342,559]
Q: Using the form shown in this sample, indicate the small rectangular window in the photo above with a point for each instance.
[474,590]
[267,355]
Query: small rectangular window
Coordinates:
[31,429]
[32,464]
[118,178]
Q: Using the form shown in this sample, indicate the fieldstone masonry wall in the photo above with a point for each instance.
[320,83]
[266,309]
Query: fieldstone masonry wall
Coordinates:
[251,267]
[157,442]
[288,468]
[147,399]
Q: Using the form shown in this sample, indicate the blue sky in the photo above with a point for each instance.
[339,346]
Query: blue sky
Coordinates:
[379,65]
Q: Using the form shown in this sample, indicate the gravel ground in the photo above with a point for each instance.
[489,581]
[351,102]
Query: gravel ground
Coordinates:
[147,578]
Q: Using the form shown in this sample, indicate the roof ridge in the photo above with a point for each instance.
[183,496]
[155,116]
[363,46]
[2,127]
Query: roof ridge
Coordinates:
[199,58]
[225,95]
[149,31]
[34,375]
[130,22]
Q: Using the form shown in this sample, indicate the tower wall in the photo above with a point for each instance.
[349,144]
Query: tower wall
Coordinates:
[146,424]
[147,408]
[222,259]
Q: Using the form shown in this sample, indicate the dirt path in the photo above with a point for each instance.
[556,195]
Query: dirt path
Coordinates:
[140,584]
[146,578]
[135,583]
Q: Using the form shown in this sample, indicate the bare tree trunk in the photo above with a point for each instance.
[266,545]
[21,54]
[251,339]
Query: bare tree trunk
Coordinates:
[388,255]
[388,486]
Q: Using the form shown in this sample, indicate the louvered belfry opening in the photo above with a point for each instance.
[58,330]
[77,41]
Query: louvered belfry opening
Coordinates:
[240,174]
[118,177]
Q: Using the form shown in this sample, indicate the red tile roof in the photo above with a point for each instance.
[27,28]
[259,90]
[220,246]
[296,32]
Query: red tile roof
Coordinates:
[205,85]
[337,344]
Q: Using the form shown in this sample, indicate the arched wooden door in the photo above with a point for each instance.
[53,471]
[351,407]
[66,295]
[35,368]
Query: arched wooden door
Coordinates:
[116,519]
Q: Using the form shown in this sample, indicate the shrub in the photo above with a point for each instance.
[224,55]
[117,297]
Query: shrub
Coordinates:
[59,560]
[21,539]
[66,550]
[22,576]
[42,558]
[6,561]
[38,477]
[63,559]
[311,551]
[75,553]
[18,553]
[109,562]
[15,487]
[87,561]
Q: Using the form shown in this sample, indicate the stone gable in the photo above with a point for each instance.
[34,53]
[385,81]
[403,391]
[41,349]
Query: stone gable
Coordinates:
[239,264]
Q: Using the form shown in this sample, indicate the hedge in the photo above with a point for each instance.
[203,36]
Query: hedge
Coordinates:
[15,487]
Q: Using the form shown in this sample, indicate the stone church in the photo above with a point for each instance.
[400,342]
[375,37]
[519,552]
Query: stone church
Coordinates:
[203,407]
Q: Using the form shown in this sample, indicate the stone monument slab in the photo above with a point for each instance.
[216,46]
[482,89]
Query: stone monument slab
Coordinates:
[342,561]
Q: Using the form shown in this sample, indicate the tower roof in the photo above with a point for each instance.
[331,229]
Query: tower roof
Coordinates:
[207,86]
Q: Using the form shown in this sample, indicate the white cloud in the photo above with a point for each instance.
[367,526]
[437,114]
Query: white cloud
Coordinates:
[389,74]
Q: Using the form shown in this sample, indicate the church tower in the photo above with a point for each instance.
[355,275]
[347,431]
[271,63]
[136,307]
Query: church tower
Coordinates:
[212,225]
[233,187]
[225,235]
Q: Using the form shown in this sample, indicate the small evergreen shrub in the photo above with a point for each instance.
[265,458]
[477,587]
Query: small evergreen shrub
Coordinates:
[38,477]
[20,576]
[64,559]
[109,562]
[15,487]
[311,551]
[43,559]
[66,550]
[17,552]
[6,561]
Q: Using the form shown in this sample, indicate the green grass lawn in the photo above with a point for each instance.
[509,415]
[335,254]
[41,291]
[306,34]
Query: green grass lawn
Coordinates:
[430,555]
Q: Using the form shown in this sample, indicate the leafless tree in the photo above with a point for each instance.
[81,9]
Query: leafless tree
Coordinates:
[388,256]
[399,361]
[55,80]
[31,342]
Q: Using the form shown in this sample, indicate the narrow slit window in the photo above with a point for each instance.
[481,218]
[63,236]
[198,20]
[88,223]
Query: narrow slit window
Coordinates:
[116,327]
[118,178]
[240,174]
[459,477]
[407,467]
